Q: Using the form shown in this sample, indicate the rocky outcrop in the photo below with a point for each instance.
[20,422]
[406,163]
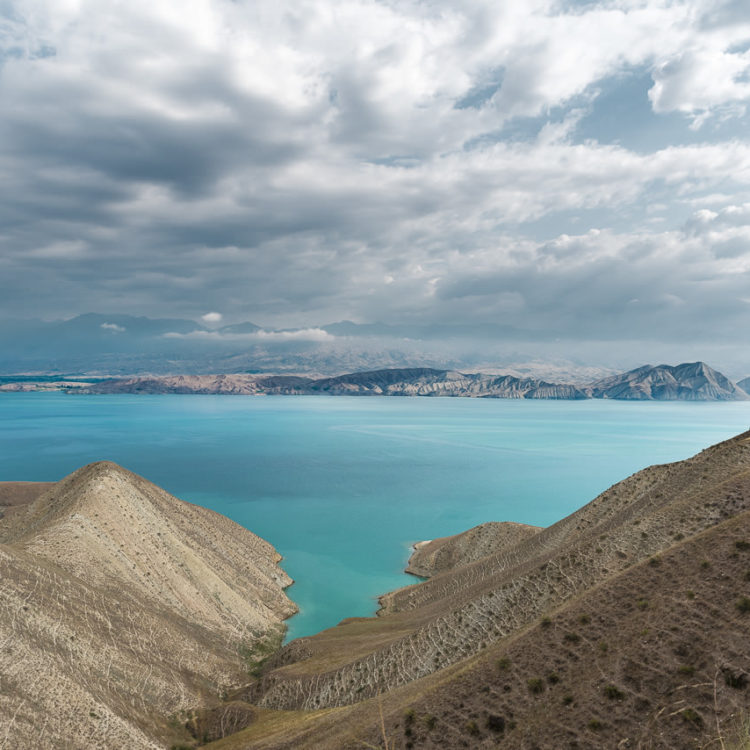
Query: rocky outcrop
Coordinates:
[694,381]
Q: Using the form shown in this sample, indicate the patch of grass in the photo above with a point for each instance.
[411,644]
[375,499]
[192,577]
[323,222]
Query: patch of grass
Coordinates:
[256,654]
[595,725]
[692,716]
[567,700]
[654,561]
[536,685]
[603,646]
[690,594]
[742,545]
[571,637]
[686,669]
[584,619]
[472,728]
[705,564]
[430,721]
[553,678]
[545,622]
[743,605]
[642,604]
[503,664]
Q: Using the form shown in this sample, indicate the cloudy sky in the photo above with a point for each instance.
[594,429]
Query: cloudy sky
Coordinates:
[560,169]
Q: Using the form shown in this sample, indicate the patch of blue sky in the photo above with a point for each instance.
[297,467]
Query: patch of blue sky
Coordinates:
[622,114]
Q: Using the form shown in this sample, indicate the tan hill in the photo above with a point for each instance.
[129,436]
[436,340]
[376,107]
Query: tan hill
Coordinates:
[626,624]
[694,381]
[121,606]
[450,552]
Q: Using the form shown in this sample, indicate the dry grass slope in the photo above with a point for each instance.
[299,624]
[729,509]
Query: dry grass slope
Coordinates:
[627,624]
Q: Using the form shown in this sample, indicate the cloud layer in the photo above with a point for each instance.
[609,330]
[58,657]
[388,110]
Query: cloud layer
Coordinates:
[426,163]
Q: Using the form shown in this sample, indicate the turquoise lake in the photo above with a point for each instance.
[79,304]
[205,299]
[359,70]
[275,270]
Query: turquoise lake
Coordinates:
[342,486]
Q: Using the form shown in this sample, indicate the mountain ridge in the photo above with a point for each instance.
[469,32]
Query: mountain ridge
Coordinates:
[687,381]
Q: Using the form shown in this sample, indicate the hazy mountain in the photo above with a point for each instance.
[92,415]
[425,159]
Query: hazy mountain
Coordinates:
[121,605]
[694,381]
[744,384]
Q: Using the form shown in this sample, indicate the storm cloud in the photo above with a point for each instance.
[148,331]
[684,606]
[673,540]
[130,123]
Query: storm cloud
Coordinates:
[411,163]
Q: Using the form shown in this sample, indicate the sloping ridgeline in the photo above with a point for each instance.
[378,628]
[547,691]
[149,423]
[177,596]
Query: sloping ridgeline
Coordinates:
[626,624]
[687,382]
[122,606]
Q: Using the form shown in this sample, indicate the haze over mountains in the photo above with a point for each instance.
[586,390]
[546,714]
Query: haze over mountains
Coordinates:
[117,345]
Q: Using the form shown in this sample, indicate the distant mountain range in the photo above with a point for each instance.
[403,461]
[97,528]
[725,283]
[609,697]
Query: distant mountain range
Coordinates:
[694,381]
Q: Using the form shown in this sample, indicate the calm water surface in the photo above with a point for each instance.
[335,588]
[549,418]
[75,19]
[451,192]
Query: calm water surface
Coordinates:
[343,486]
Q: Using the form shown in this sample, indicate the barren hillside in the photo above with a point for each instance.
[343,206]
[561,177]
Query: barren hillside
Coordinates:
[121,605]
[625,624]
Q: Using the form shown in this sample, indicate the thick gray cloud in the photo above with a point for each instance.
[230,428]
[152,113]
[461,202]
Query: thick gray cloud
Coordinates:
[298,163]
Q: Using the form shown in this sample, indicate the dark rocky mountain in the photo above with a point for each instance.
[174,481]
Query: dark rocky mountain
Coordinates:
[693,381]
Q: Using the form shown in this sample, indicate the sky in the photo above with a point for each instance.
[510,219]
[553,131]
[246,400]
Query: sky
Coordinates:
[560,170]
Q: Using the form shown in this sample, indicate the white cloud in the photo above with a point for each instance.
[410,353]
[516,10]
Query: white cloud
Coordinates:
[113,327]
[313,160]
[306,334]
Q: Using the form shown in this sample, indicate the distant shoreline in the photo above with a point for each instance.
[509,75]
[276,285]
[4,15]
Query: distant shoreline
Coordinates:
[694,381]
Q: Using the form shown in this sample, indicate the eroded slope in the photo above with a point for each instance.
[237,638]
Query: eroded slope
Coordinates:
[458,613]
[121,605]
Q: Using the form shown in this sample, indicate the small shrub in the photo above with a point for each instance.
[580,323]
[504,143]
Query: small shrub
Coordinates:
[536,685]
[690,594]
[736,681]
[571,637]
[595,725]
[408,716]
[495,723]
[705,564]
[545,622]
[430,721]
[743,605]
[642,604]
[742,545]
[603,647]
[553,678]
[654,561]
[686,669]
[584,619]
[567,700]
[503,664]
[613,693]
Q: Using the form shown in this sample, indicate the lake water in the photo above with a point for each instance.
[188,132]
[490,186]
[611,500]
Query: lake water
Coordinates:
[342,486]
